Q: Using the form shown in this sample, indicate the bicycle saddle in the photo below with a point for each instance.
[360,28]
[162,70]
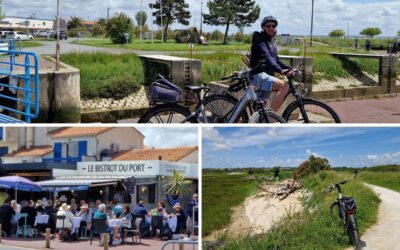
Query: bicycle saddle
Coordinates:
[196,88]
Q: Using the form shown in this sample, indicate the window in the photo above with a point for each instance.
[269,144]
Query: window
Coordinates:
[146,193]
[44,23]
[2,132]
[72,149]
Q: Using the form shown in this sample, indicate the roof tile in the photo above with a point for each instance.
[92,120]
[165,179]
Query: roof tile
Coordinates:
[152,154]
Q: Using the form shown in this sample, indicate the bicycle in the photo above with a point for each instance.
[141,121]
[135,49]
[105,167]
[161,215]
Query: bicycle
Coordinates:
[347,212]
[302,109]
[165,107]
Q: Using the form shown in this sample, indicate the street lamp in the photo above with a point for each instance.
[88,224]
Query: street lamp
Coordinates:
[162,25]
[312,23]
[141,21]
[201,18]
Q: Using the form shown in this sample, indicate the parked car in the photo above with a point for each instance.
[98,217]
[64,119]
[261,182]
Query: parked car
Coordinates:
[19,36]
[63,35]
[45,34]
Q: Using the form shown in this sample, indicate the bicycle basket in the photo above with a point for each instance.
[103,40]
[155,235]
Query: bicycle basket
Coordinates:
[161,93]
[349,203]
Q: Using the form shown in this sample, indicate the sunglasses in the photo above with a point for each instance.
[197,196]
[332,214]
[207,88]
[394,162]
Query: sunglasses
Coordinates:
[270,26]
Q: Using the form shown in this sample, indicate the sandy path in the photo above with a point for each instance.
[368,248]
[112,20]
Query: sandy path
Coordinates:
[384,235]
[257,215]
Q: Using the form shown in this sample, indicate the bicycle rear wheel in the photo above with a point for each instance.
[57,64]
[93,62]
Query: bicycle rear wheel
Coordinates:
[219,107]
[315,112]
[167,113]
[273,117]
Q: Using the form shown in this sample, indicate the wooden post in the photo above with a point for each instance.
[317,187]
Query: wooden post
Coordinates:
[181,247]
[105,241]
[47,238]
[1,230]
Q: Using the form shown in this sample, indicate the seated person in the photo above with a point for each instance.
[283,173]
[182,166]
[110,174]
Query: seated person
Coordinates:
[6,214]
[86,216]
[139,209]
[31,211]
[65,211]
[40,207]
[126,216]
[181,218]
[101,214]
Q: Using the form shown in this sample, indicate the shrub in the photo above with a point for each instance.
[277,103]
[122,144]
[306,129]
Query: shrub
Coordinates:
[117,26]
[119,87]
[312,165]
[217,35]
[239,37]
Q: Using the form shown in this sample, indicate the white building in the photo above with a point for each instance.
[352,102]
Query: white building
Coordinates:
[12,23]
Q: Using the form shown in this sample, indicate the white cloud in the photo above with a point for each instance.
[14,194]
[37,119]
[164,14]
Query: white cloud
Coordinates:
[169,137]
[294,15]
[212,137]
[386,158]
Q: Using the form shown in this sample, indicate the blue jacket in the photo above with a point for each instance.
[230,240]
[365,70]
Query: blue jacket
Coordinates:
[265,50]
[139,209]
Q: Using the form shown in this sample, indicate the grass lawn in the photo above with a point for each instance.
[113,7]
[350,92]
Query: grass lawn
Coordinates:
[170,45]
[316,227]
[29,44]
[385,176]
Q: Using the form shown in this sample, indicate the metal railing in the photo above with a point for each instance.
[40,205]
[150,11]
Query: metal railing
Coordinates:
[181,244]
[21,93]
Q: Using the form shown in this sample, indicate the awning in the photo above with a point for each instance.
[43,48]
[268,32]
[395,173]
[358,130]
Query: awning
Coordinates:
[75,184]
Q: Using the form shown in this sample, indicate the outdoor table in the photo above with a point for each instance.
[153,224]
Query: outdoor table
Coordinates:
[76,223]
[41,219]
[173,223]
[115,222]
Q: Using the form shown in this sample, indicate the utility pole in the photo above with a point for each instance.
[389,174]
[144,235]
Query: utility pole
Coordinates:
[141,21]
[201,19]
[162,25]
[312,23]
[58,37]
[152,30]
[348,30]
[108,13]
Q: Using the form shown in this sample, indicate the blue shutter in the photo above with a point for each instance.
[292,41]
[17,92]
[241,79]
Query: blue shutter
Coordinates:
[1,133]
[82,149]
[57,152]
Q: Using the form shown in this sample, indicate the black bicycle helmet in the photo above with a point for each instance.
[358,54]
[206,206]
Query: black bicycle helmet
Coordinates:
[269,19]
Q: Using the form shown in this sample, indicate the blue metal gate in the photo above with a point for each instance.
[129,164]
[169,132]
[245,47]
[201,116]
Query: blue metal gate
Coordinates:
[19,84]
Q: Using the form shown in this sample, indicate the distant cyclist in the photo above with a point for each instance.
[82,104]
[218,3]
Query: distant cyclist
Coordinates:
[263,50]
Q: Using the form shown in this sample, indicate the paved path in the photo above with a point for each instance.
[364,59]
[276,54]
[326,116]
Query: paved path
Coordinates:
[382,110]
[385,234]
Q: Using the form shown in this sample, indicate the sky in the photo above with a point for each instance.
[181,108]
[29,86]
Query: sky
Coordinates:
[294,15]
[161,137]
[290,146]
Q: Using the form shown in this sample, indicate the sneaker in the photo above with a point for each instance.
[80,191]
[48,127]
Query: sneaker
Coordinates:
[116,242]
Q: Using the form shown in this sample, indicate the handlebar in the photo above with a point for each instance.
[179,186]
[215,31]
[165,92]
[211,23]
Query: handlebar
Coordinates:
[332,187]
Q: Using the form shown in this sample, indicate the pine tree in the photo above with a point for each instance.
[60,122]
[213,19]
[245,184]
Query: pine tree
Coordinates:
[172,10]
[240,13]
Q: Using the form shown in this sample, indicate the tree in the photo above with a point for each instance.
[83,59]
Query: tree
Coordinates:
[312,165]
[74,22]
[176,184]
[172,11]
[217,35]
[240,13]
[371,32]
[398,33]
[141,15]
[118,26]
[337,33]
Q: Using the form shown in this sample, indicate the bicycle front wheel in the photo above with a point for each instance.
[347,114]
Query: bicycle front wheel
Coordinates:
[272,117]
[167,113]
[219,107]
[313,112]
[352,231]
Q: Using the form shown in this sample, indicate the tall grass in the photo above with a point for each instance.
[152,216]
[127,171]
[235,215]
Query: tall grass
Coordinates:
[384,176]
[99,69]
[316,227]
[221,192]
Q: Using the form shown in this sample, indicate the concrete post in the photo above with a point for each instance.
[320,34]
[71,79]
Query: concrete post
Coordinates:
[67,97]
[47,245]
[393,74]
[105,241]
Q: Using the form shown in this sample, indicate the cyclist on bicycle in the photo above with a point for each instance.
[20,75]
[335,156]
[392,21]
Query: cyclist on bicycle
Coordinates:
[263,50]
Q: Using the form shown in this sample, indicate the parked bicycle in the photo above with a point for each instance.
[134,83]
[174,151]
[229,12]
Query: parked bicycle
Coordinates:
[210,108]
[347,212]
[303,109]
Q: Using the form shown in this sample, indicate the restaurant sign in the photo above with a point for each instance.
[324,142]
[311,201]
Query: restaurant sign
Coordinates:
[130,168]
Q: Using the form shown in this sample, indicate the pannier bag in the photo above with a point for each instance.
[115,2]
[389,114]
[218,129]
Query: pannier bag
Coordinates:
[165,93]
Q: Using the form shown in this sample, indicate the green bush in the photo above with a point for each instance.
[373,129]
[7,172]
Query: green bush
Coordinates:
[118,26]
[119,87]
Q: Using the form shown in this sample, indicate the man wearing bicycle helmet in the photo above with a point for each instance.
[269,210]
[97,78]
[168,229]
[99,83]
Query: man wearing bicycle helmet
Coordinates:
[263,50]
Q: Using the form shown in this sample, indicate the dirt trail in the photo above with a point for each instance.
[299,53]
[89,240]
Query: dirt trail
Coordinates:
[385,234]
[257,215]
